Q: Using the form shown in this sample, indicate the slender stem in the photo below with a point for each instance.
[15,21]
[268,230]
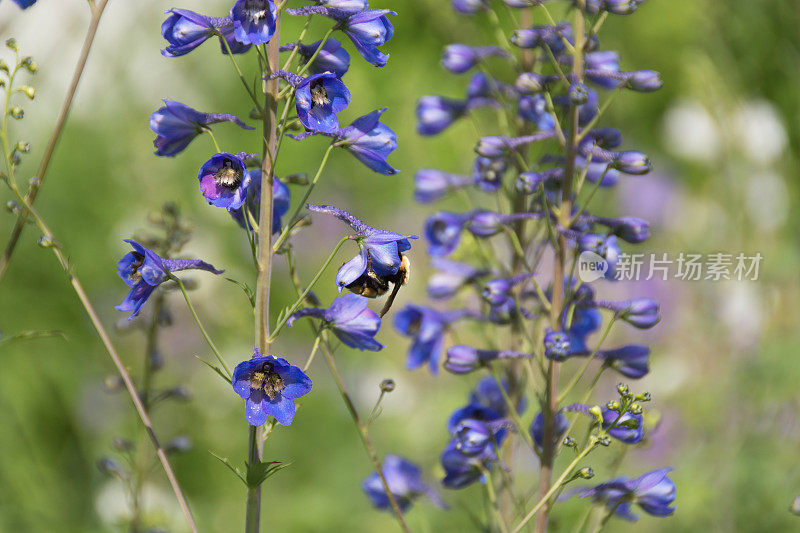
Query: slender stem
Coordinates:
[489,485]
[213,139]
[241,76]
[253,501]
[97,13]
[206,336]
[579,374]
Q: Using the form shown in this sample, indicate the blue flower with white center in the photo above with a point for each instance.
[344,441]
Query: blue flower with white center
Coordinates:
[350,319]
[405,483]
[269,385]
[332,57]
[436,113]
[318,99]
[450,276]
[253,21]
[427,327]
[443,232]
[631,361]
[185,30]
[224,180]
[380,260]
[653,492]
[143,271]
[281,201]
[176,125]
[368,139]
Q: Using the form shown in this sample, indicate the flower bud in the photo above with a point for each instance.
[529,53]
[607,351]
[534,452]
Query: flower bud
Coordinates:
[180,444]
[29,91]
[642,397]
[12,43]
[556,345]
[470,7]
[46,241]
[472,437]
[17,112]
[631,162]
[644,81]
[4,66]
[623,390]
[23,147]
[604,441]
[121,444]
[569,442]
[585,473]
[492,146]
[613,405]
[387,385]
[621,7]
[462,359]
[597,413]
[528,182]
[12,207]
[32,67]
[300,178]
[635,409]
[578,94]
[642,313]
[530,83]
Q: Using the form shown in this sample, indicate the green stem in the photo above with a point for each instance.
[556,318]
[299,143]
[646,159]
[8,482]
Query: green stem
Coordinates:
[585,366]
[489,485]
[241,76]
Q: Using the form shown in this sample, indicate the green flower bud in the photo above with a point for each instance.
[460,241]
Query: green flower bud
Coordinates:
[586,473]
[17,112]
[387,385]
[12,43]
[29,91]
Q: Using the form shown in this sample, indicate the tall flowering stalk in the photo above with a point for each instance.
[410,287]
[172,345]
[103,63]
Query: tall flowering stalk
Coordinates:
[529,225]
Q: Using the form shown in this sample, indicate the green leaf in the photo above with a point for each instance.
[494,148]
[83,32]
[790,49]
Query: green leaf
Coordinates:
[251,296]
[261,471]
[226,462]
[27,335]
[215,368]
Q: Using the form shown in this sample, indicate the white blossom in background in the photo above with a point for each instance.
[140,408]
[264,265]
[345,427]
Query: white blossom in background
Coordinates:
[690,132]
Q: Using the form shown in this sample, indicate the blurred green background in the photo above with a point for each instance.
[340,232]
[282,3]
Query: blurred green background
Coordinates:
[723,133]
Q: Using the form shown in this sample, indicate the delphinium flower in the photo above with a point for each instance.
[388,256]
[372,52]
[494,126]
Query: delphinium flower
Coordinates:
[281,201]
[224,180]
[379,261]
[450,277]
[367,138]
[631,361]
[486,402]
[350,319]
[459,58]
[331,58]
[431,184]
[318,99]
[185,30]
[176,125]
[24,4]
[253,21]
[143,271]
[405,483]
[560,426]
[653,492]
[626,427]
[269,385]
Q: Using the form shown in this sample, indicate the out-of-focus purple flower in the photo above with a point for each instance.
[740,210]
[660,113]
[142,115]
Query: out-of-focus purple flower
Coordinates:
[632,162]
[653,492]
[459,58]
[482,90]
[344,6]
[486,403]
[488,173]
[405,483]
[427,327]
[281,201]
[224,180]
[606,247]
[543,36]
[436,113]
[462,359]
[185,30]
[484,223]
[463,470]
[431,184]
[332,58]
[443,232]
[631,361]
[450,276]
[628,428]
[253,21]
[496,146]
[498,291]
[24,4]
[604,61]
[379,260]
[470,7]
[556,345]
[642,313]
[584,322]
[560,426]
[534,109]
[269,385]
[350,319]
[630,229]
[176,125]
[318,98]
[143,271]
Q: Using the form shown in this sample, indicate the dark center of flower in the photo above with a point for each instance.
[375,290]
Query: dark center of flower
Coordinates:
[227,176]
[255,10]
[268,380]
[319,96]
[133,270]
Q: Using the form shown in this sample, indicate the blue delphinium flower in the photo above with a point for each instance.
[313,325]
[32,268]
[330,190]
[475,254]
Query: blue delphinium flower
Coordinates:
[185,30]
[318,98]
[24,4]
[534,110]
[462,470]
[450,277]
[143,271]
[486,403]
[653,492]
[556,345]
[405,483]
[379,261]
[368,139]
[368,30]
[631,361]
[560,426]
[443,232]
[332,57]
[431,184]
[642,313]
[427,327]
[470,7]
[585,321]
[627,428]
[345,6]
[281,201]
[253,21]
[488,173]
[224,180]
[350,319]
[269,385]
[459,58]
[176,125]
[462,359]
[436,113]
[606,247]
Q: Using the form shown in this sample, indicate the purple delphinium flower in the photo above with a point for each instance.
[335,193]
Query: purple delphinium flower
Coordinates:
[427,327]
[405,483]
[332,57]
[631,361]
[345,6]
[270,385]
[350,319]
[24,4]
[318,98]
[450,277]
[470,7]
[606,247]
[368,139]
[497,292]
[486,403]
[281,201]
[459,58]
[143,271]
[534,110]
[627,428]
[653,492]
[483,223]
[443,232]
[224,180]
[560,426]
[462,359]
[177,124]
[436,113]
[642,313]
[368,30]
[185,30]
[431,184]
[378,262]
[253,21]
[556,345]
[488,173]
[584,322]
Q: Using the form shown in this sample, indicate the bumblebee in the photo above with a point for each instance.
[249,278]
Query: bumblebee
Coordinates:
[371,285]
